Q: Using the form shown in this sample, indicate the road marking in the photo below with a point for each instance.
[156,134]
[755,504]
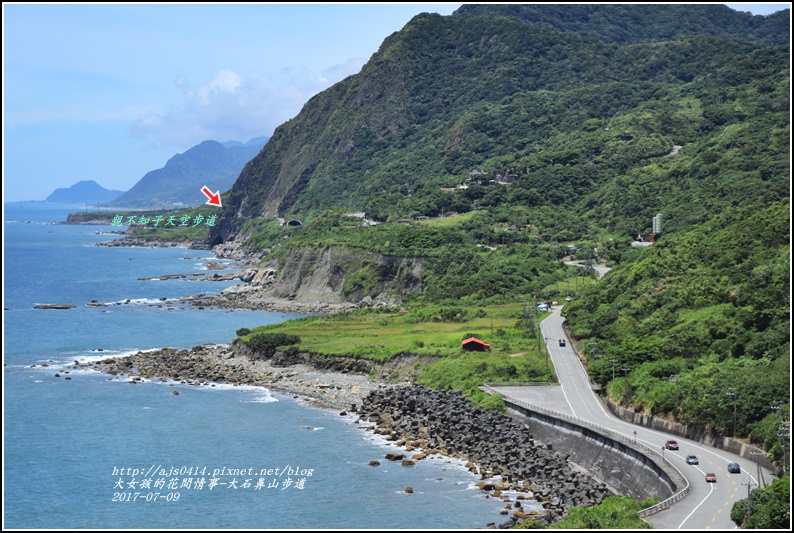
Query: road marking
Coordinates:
[711,491]
[550,325]
[562,388]
[610,415]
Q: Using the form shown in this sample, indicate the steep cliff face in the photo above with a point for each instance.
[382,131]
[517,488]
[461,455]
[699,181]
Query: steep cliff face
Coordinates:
[338,275]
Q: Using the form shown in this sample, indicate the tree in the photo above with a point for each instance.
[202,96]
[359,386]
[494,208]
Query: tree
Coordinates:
[767,508]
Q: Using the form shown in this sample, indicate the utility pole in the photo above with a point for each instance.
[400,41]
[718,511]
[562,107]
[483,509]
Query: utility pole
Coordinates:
[677,402]
[593,349]
[749,499]
[613,368]
[547,353]
[735,395]
[758,470]
[626,380]
[783,433]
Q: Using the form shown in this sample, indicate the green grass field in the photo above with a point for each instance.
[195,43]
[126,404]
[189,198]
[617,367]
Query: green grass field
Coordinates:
[431,331]
[446,222]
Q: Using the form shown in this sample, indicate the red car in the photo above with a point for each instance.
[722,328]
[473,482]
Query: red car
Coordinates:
[671,445]
[711,478]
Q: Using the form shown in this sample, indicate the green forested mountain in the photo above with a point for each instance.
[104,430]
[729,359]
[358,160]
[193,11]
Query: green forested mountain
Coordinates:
[568,125]
[711,305]
[563,113]
[621,23]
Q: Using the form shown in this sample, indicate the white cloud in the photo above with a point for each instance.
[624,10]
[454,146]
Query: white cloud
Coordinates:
[233,107]
[343,70]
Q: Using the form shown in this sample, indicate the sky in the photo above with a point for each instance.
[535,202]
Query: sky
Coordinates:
[108,92]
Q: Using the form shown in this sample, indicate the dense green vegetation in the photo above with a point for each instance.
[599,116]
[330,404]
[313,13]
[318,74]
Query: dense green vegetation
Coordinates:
[711,306]
[266,344]
[767,508]
[581,126]
[486,254]
[550,126]
[646,22]
[616,512]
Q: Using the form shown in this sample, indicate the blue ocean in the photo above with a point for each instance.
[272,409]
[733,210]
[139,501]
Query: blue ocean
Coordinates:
[89,450]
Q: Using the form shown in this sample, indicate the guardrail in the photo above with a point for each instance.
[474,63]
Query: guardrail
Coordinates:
[615,436]
[523,384]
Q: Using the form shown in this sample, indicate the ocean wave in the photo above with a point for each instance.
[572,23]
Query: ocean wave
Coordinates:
[95,356]
[83,359]
[261,398]
[142,301]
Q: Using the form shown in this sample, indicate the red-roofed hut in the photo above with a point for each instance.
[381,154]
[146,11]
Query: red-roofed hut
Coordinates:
[475,345]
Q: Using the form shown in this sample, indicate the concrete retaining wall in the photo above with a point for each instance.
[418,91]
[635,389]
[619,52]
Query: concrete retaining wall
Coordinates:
[620,465]
[631,468]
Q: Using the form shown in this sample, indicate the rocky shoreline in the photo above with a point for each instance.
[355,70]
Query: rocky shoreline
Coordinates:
[205,366]
[256,278]
[512,465]
[246,296]
[152,242]
[495,446]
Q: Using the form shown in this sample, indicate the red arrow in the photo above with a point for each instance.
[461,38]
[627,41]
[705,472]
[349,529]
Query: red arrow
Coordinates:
[214,199]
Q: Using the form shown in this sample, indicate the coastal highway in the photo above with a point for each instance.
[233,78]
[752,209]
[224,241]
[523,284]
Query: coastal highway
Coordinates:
[708,506]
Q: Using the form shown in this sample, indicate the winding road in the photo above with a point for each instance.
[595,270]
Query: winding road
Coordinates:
[708,506]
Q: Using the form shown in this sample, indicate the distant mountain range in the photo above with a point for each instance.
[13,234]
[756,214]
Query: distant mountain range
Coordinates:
[87,191]
[179,182]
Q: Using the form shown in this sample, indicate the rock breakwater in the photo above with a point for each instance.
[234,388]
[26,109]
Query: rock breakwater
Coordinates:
[494,445]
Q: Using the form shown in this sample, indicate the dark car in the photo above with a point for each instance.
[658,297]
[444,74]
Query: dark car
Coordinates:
[711,478]
[734,468]
[562,342]
[692,460]
[671,445]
